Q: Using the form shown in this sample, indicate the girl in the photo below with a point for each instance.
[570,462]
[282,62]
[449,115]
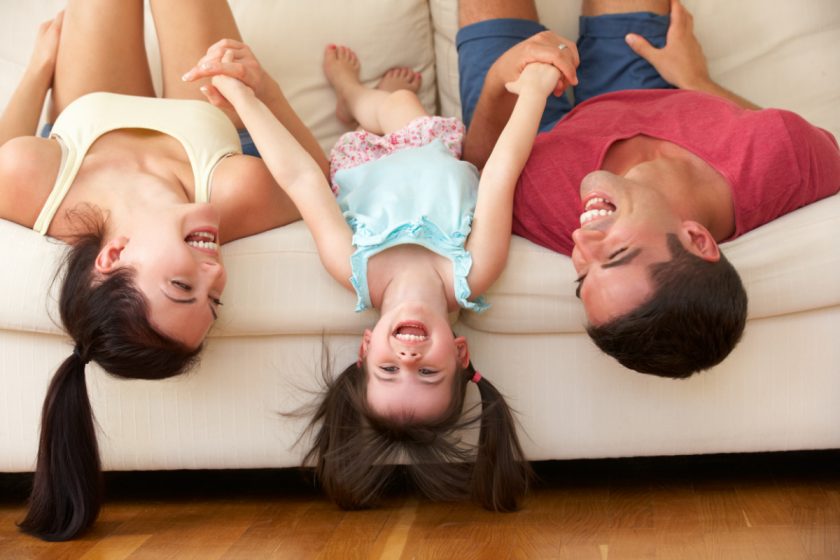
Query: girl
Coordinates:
[412,239]
[125,179]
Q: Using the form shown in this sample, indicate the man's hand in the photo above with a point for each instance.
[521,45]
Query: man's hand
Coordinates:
[543,47]
[681,61]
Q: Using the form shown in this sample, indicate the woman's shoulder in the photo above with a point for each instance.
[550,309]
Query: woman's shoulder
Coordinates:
[28,168]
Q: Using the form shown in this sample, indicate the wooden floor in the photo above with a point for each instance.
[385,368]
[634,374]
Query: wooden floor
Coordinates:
[760,507]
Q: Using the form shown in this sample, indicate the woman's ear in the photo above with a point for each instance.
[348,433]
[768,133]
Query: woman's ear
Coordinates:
[108,258]
[698,241]
[463,351]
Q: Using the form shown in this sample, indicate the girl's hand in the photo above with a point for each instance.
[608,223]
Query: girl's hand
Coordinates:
[224,91]
[538,77]
[542,47]
[45,53]
[234,59]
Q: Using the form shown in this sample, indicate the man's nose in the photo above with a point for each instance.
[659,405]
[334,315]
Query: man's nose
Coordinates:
[586,243]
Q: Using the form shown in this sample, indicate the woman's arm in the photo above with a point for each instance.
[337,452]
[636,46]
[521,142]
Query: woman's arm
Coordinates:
[296,172]
[489,239]
[21,115]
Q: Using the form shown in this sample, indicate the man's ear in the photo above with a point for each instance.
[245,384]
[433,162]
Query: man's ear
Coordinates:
[463,351]
[698,241]
[108,258]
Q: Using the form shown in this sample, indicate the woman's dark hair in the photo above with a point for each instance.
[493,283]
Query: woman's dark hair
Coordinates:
[107,319]
[356,452]
[692,322]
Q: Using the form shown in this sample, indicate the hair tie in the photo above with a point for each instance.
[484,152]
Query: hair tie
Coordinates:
[476,377]
[78,353]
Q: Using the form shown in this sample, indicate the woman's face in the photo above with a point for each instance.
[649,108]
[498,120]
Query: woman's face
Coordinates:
[178,267]
[412,358]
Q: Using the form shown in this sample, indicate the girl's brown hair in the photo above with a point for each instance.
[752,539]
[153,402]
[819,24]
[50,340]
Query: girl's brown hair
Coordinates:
[356,452]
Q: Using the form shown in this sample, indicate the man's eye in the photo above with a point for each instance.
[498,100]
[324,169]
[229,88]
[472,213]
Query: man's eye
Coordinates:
[617,253]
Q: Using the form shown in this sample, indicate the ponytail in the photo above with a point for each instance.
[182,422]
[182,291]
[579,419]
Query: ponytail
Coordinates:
[68,483]
[107,318]
[356,452]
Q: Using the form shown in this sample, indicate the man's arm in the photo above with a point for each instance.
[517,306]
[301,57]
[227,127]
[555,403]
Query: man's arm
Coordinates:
[495,104]
[681,61]
[21,115]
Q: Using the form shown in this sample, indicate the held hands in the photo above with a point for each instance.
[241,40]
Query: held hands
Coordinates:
[681,61]
[537,77]
[232,59]
[542,47]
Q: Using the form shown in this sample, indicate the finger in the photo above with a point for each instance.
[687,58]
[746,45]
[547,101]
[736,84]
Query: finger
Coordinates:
[213,96]
[641,46]
[228,56]
[210,69]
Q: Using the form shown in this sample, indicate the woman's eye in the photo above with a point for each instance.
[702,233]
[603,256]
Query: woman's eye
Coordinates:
[181,285]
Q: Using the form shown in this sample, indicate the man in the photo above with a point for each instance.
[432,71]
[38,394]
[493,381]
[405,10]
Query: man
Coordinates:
[639,184]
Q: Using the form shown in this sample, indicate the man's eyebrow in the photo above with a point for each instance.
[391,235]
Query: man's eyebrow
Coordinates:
[626,259]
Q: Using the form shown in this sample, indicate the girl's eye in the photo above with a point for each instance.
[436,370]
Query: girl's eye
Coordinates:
[181,285]
[425,371]
[389,369]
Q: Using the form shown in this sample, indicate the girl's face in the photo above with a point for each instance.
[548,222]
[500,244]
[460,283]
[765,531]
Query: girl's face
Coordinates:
[178,267]
[412,358]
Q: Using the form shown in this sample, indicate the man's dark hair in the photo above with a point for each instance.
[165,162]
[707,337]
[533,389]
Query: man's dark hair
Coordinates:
[692,322]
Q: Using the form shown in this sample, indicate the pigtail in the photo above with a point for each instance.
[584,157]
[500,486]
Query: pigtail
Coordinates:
[67,489]
[501,473]
[342,468]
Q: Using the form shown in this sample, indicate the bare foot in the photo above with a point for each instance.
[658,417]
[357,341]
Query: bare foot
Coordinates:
[400,78]
[341,67]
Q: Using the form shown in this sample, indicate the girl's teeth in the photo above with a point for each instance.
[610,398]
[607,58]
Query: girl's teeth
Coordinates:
[410,337]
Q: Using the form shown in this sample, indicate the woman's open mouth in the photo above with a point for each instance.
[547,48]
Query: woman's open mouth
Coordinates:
[204,240]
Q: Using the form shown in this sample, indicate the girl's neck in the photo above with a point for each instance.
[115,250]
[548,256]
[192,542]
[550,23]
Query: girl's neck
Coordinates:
[410,279]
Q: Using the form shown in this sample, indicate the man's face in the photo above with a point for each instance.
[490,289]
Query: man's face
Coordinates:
[624,227]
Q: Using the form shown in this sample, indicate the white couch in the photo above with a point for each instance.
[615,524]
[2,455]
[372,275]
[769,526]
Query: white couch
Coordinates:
[779,390]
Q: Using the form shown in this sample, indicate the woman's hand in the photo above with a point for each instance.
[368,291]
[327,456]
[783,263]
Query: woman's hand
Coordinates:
[45,53]
[233,59]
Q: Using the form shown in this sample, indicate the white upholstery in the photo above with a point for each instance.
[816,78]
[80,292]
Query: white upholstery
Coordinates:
[780,389]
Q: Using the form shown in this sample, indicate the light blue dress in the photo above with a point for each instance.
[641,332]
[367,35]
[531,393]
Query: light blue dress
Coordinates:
[419,195]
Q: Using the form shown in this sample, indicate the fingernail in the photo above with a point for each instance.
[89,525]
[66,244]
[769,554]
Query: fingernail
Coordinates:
[203,89]
[185,77]
[630,38]
[205,66]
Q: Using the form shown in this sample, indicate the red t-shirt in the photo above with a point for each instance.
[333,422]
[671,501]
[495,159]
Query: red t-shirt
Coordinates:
[774,160]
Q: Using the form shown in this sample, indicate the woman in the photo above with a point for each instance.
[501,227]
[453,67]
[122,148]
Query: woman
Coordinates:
[126,180]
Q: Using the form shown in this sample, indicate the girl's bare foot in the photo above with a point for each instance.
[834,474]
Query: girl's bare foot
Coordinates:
[341,67]
[400,78]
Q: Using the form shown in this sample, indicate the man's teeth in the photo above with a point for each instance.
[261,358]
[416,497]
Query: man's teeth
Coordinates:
[591,212]
[410,337]
[596,200]
[590,215]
